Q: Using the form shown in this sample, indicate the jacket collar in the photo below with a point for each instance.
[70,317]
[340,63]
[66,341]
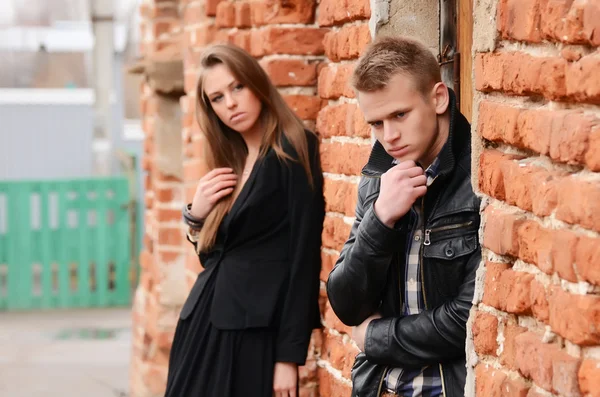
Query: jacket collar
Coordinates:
[459,135]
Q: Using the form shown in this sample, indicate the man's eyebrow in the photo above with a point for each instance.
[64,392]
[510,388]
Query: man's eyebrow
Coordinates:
[401,110]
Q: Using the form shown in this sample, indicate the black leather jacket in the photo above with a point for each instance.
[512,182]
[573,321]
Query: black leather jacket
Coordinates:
[369,275]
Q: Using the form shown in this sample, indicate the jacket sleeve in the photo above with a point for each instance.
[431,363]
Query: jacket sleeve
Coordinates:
[356,283]
[430,337]
[306,210]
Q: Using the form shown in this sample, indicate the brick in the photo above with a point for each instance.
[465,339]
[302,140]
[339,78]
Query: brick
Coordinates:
[536,245]
[539,303]
[269,12]
[338,354]
[347,43]
[579,202]
[583,81]
[333,322]
[500,232]
[335,232]
[575,317]
[587,257]
[519,20]
[193,170]
[521,74]
[345,119]
[534,359]
[485,332]
[305,106]
[344,158]
[168,215]
[491,178]
[225,15]
[291,72]
[564,374]
[570,134]
[518,296]
[498,122]
[564,249]
[592,156]
[211,7]
[589,378]
[155,379]
[154,12]
[509,352]
[492,294]
[293,41]
[337,12]
[340,196]
[334,81]
[193,14]
[171,236]
[327,263]
[489,381]
[329,385]
[168,194]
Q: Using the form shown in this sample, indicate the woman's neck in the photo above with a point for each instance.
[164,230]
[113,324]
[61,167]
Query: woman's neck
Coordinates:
[253,139]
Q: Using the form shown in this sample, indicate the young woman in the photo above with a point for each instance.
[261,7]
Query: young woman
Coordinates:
[256,221]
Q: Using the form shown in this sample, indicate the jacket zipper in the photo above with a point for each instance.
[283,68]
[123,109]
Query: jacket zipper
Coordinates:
[380,387]
[423,292]
[428,232]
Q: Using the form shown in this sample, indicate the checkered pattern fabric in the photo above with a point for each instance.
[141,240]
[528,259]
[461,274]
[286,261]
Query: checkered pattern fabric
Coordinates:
[426,381]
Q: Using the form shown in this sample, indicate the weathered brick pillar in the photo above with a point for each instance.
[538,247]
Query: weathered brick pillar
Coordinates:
[161,291]
[536,327]
[345,148]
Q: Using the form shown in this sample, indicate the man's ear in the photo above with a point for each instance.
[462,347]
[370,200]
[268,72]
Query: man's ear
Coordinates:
[441,97]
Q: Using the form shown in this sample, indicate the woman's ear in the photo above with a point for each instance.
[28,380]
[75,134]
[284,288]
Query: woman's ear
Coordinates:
[441,98]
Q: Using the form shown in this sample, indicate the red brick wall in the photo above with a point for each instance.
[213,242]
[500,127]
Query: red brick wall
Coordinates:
[307,47]
[537,324]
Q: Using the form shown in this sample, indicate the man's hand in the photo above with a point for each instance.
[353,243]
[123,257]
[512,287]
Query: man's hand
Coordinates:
[401,186]
[359,332]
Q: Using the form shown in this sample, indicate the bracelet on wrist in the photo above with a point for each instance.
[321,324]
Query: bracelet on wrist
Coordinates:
[191,220]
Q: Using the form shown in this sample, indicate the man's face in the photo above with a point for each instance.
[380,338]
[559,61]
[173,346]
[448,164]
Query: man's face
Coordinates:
[405,120]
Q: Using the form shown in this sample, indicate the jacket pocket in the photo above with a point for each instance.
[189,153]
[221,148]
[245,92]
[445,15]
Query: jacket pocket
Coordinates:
[446,251]
[366,377]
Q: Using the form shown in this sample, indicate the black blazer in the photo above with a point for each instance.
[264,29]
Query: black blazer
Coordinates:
[267,257]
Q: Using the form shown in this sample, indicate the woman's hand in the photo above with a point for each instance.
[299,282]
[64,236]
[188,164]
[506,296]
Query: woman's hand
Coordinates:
[285,380]
[213,186]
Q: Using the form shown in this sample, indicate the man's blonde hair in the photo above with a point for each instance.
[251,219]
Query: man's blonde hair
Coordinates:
[387,56]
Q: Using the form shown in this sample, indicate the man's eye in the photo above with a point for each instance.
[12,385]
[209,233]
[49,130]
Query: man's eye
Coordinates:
[376,124]
[400,115]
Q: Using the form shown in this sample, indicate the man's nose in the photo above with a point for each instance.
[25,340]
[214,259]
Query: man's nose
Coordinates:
[389,132]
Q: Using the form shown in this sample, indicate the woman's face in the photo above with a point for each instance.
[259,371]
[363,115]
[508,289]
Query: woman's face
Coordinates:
[233,102]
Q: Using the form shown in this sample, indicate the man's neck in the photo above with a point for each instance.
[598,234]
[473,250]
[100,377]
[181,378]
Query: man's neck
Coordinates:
[443,132]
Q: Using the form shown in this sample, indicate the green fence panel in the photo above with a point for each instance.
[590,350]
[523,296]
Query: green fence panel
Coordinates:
[64,244]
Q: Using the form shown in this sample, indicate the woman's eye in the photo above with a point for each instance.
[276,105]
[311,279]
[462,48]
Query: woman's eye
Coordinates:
[238,87]
[216,98]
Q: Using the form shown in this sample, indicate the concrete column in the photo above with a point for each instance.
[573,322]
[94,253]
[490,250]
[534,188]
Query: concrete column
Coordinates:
[102,16]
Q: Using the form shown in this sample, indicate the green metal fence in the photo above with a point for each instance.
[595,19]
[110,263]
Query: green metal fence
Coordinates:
[64,244]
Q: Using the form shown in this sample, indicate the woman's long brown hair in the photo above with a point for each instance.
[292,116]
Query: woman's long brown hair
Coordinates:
[226,147]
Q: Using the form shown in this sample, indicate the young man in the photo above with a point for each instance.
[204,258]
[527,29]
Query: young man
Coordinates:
[406,275]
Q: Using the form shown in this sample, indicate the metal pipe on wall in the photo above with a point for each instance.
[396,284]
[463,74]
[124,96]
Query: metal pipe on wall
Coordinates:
[448,56]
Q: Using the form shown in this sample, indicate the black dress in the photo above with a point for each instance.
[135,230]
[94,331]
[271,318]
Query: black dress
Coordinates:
[207,361]
[256,301]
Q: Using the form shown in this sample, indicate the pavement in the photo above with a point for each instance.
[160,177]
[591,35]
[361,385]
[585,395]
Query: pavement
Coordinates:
[66,353]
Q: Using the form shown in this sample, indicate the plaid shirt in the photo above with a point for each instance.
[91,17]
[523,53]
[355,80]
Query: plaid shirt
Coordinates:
[426,381]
